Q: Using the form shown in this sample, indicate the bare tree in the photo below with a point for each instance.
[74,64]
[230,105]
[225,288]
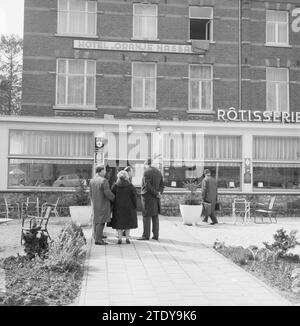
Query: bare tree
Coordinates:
[11,51]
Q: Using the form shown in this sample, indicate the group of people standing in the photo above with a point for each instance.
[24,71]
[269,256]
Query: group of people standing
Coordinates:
[118,205]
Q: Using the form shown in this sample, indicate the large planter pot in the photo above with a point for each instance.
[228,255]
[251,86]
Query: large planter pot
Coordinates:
[81,215]
[191,214]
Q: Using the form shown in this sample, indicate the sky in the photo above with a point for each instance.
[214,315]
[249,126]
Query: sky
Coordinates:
[11,17]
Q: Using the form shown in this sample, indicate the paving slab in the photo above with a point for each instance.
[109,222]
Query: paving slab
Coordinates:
[179,269]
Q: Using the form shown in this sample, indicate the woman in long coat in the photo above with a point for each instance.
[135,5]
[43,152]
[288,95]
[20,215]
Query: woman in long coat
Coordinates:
[124,215]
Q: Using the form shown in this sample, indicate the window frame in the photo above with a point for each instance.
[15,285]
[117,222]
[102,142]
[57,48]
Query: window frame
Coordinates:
[277,83]
[276,26]
[211,38]
[200,110]
[134,15]
[143,109]
[85,76]
[86,14]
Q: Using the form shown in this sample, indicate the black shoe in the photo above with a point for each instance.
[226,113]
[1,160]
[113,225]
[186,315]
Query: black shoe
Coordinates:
[212,223]
[205,220]
[127,241]
[101,243]
[154,238]
[119,241]
[142,238]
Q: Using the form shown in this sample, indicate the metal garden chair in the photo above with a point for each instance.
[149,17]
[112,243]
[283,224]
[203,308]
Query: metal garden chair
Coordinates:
[241,208]
[267,211]
[7,208]
[54,206]
[39,223]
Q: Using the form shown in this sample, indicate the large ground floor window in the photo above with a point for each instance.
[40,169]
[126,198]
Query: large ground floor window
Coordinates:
[48,173]
[275,162]
[228,174]
[278,176]
[46,158]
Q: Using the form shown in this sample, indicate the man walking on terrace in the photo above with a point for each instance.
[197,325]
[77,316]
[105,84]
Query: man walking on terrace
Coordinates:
[152,188]
[101,196]
[209,196]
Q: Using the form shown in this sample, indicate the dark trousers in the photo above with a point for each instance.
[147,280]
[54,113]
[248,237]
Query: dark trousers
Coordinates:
[147,226]
[98,231]
[212,216]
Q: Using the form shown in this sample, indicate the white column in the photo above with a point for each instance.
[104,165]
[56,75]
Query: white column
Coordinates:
[3,156]
[247,154]
[157,139]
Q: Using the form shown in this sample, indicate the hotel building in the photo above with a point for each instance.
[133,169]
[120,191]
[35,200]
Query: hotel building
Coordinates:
[191,83]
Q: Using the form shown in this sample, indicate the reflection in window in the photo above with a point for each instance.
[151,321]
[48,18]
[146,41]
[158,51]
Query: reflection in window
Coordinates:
[280,176]
[227,174]
[48,173]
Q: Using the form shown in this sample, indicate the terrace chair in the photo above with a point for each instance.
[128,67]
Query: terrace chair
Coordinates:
[241,208]
[7,208]
[38,222]
[29,205]
[54,206]
[267,211]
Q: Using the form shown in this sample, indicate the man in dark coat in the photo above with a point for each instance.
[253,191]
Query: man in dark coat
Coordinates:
[100,196]
[152,188]
[209,195]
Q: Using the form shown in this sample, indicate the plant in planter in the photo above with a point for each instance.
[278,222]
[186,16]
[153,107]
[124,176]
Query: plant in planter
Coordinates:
[81,211]
[191,208]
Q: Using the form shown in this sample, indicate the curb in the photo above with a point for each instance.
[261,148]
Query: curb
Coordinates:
[79,301]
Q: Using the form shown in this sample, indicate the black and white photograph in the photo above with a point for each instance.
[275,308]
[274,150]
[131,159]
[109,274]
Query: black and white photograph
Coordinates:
[150,155]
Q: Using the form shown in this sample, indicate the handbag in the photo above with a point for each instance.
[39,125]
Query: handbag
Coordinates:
[206,209]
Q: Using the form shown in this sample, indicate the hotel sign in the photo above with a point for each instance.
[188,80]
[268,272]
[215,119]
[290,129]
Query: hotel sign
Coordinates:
[258,116]
[129,46]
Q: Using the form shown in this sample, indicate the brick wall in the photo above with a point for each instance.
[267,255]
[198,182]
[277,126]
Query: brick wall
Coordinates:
[286,205]
[42,47]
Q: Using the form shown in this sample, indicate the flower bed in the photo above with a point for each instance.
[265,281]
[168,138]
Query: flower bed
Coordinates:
[271,264]
[54,280]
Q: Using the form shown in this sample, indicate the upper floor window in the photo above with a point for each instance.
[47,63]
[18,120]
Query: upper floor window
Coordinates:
[200,87]
[77,17]
[277,89]
[145,21]
[201,23]
[277,30]
[75,84]
[144,85]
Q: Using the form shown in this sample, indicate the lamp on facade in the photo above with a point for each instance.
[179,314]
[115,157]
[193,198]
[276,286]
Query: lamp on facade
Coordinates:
[129,128]
[158,128]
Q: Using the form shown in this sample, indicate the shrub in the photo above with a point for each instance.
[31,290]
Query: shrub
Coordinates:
[66,253]
[283,242]
[81,197]
[191,197]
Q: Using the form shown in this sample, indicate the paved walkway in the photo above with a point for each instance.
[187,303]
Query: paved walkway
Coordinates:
[179,269]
